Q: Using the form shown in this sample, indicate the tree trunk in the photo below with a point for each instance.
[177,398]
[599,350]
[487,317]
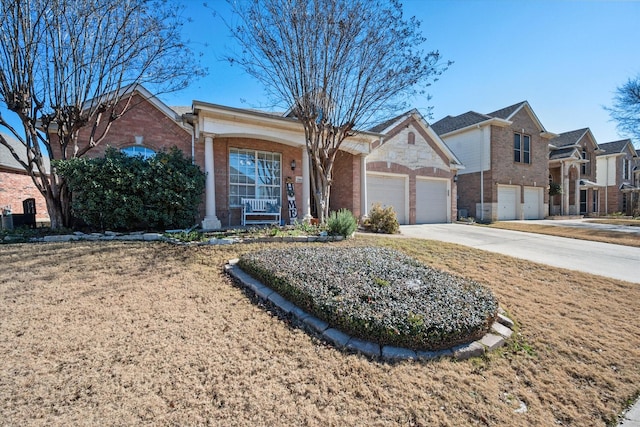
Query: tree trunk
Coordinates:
[58,205]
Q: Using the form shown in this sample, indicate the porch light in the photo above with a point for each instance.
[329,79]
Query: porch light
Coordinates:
[293,165]
[455,178]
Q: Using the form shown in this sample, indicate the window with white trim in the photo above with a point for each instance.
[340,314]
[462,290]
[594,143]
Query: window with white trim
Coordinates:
[626,169]
[585,166]
[138,151]
[254,175]
[521,148]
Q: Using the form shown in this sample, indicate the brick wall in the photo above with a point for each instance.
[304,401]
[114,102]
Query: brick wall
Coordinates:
[159,131]
[345,191]
[230,216]
[469,192]
[15,187]
[505,169]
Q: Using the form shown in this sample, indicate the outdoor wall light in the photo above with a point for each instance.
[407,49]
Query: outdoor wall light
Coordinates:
[455,178]
[293,165]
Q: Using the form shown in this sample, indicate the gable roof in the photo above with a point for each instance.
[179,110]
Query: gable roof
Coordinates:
[568,138]
[7,160]
[564,153]
[507,112]
[388,125]
[615,147]
[451,123]
[500,117]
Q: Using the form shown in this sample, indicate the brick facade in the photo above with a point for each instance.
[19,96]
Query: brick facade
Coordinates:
[18,186]
[504,169]
[345,191]
[158,132]
[232,215]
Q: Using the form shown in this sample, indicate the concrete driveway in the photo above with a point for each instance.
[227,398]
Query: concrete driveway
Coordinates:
[615,261]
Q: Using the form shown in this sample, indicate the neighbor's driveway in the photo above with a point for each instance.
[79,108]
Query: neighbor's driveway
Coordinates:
[616,261]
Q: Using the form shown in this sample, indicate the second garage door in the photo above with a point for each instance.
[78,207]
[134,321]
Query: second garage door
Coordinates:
[388,190]
[507,199]
[532,208]
[431,201]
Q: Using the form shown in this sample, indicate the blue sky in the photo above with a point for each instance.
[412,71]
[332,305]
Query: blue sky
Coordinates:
[565,57]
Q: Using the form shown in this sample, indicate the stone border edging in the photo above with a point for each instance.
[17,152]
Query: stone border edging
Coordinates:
[501,330]
[159,237]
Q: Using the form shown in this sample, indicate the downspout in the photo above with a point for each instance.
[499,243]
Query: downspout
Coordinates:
[606,189]
[188,118]
[481,176]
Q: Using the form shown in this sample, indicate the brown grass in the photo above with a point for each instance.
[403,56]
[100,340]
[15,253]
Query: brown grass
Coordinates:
[128,334]
[616,237]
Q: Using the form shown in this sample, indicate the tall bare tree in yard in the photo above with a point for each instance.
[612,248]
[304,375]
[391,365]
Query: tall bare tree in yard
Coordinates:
[66,65]
[337,64]
[626,107]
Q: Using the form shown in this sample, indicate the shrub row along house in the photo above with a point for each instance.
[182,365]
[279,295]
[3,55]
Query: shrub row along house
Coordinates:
[495,166]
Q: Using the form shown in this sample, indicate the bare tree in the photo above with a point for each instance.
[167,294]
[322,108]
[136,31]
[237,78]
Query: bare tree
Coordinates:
[66,65]
[626,107]
[337,64]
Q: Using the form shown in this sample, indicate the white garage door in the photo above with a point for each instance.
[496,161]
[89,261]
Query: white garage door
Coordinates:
[388,191]
[431,201]
[507,199]
[532,203]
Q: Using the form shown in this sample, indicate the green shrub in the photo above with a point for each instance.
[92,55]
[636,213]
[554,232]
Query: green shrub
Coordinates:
[377,294]
[342,223]
[120,192]
[382,220]
[555,189]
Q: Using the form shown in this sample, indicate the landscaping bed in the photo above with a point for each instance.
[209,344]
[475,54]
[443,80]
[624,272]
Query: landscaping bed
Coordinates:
[378,294]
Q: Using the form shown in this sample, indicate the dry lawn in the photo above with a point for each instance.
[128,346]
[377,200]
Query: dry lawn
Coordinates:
[135,334]
[615,237]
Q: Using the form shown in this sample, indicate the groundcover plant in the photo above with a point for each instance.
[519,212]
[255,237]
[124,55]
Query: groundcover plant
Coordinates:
[378,294]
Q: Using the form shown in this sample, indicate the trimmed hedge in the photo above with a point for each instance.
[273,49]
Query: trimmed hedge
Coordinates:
[119,192]
[378,294]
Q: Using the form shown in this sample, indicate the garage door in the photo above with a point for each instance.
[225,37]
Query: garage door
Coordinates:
[388,191]
[431,201]
[507,199]
[532,203]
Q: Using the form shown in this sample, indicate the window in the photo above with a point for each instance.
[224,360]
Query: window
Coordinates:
[626,169]
[585,165]
[521,148]
[411,138]
[139,151]
[253,175]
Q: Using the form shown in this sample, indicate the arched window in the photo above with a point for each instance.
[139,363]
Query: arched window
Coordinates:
[411,138]
[139,151]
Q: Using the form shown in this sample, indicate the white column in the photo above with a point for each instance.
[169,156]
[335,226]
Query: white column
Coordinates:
[306,186]
[211,221]
[364,205]
[577,196]
[565,189]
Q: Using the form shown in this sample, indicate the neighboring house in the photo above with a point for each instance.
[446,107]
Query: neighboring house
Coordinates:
[412,170]
[616,164]
[572,166]
[15,184]
[505,154]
